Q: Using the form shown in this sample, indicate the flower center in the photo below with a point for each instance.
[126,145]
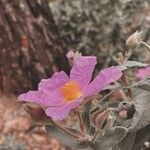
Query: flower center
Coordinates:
[70,91]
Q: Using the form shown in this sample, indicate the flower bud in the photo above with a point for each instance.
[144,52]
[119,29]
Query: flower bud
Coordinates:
[123,114]
[133,40]
[72,55]
[36,113]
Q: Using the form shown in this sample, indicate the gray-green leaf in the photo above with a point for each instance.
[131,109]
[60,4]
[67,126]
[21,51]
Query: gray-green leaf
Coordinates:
[144,85]
[135,64]
[141,136]
[61,136]
[86,116]
[127,142]
[111,137]
[141,117]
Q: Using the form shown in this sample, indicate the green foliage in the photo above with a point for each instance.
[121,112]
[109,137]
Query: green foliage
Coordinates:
[141,117]
[86,116]
[134,64]
[64,137]
[112,137]
[144,85]
[98,27]
[127,142]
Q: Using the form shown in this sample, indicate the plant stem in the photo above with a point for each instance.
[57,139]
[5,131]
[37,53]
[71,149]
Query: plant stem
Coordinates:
[126,81]
[100,128]
[80,120]
[146,45]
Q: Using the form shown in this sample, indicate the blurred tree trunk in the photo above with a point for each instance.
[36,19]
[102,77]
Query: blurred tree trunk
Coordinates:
[30,48]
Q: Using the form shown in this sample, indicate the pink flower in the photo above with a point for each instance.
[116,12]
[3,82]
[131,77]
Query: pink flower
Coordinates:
[60,94]
[143,73]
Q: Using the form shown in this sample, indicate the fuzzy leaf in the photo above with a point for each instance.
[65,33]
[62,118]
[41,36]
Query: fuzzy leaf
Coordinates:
[86,116]
[134,64]
[61,136]
[141,117]
[141,136]
[127,142]
[111,137]
[83,145]
[144,85]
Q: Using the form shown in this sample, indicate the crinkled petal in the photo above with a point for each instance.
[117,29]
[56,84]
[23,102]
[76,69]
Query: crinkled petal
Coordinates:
[41,98]
[104,78]
[143,73]
[57,80]
[82,70]
[60,113]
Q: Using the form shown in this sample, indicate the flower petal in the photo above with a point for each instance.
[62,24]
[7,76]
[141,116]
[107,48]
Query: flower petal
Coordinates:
[82,70]
[57,80]
[41,98]
[105,77]
[60,113]
[143,73]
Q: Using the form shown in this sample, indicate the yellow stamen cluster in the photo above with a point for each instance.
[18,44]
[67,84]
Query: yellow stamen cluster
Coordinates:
[70,91]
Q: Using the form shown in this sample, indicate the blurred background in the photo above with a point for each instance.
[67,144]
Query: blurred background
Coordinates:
[34,39]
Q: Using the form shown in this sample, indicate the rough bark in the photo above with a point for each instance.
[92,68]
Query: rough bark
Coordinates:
[30,48]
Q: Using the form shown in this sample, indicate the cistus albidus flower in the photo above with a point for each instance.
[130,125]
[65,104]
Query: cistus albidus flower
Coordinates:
[143,73]
[60,94]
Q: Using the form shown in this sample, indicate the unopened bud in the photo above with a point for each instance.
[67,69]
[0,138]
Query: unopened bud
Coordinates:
[36,113]
[72,55]
[123,114]
[133,40]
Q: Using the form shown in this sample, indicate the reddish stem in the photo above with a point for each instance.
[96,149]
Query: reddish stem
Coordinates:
[80,120]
